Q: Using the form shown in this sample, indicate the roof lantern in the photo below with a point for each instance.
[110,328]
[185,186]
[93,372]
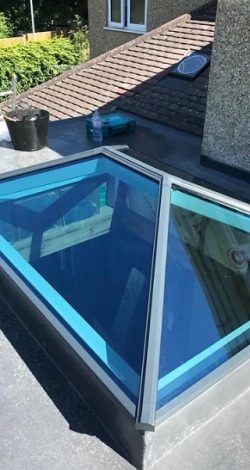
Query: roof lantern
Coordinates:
[145,275]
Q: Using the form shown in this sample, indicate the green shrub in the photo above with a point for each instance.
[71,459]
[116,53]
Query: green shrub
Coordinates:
[80,39]
[36,62]
[5,29]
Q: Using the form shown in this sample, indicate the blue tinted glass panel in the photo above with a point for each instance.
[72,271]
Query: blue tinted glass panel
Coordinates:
[206,318]
[81,235]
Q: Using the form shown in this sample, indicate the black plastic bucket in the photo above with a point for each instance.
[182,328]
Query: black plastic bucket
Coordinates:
[28,128]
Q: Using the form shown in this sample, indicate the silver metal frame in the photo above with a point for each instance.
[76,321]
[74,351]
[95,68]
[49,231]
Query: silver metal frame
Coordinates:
[111,152]
[145,413]
[210,194]
[145,416]
[202,385]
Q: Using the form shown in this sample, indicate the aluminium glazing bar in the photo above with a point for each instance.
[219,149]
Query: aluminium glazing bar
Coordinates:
[146,409]
[214,377]
[202,356]
[230,202]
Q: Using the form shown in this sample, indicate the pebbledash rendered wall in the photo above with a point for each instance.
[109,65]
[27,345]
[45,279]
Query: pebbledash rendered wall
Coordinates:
[226,135]
[158,13]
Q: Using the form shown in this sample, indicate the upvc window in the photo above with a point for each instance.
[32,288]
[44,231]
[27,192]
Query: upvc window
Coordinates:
[127,14]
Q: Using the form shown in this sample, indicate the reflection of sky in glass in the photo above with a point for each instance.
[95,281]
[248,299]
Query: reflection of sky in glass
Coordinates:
[207,295]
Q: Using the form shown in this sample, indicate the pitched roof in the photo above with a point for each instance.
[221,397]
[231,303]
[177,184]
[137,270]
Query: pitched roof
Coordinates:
[134,77]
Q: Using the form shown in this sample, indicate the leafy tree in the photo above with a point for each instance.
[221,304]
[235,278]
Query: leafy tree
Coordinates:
[5,29]
[17,12]
[80,40]
[46,12]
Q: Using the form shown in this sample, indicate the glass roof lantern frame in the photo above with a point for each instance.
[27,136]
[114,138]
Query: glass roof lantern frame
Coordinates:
[145,412]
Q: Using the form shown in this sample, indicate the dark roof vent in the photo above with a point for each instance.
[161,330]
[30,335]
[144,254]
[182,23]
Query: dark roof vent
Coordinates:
[192,65]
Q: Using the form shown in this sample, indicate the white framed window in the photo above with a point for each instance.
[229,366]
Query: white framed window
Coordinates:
[127,14]
[116,13]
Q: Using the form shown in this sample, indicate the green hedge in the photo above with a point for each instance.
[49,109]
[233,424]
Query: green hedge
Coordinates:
[36,62]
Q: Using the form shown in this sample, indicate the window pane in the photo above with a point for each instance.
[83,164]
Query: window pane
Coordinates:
[137,12]
[115,11]
[84,234]
[206,317]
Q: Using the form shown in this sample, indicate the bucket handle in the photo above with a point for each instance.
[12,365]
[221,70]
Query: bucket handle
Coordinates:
[17,107]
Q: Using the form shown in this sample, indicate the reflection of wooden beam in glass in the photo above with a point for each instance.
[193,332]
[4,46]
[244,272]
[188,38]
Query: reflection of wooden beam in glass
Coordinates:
[217,239]
[223,291]
[225,285]
[68,200]
[60,238]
